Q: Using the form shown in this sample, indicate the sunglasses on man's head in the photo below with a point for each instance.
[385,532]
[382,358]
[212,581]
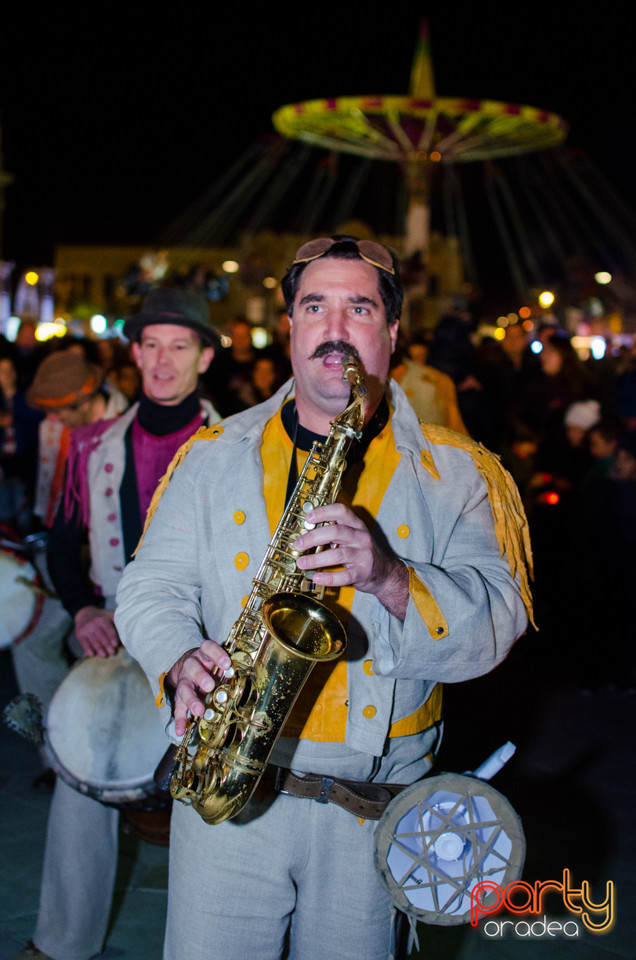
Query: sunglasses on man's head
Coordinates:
[370,251]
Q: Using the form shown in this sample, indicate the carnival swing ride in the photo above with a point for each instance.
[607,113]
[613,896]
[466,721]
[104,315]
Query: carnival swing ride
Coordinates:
[419,131]
[291,185]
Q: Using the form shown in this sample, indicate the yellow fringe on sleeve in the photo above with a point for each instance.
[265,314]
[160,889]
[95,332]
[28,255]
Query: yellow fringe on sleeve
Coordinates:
[203,433]
[160,699]
[511,524]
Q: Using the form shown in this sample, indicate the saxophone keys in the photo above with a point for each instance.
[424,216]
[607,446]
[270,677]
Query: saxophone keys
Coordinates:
[307,506]
[291,552]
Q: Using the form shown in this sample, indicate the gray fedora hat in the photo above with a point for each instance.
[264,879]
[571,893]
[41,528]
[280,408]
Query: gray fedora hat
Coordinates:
[172,305]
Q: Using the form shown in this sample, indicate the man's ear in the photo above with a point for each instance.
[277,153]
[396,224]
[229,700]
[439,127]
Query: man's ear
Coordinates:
[393,334]
[206,358]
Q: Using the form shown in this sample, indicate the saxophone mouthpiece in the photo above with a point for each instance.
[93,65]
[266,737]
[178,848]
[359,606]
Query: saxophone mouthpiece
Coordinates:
[349,366]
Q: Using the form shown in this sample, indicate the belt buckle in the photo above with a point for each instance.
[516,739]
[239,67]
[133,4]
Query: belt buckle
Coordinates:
[325,789]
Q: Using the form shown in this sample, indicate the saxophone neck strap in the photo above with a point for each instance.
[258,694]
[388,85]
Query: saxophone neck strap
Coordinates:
[303,439]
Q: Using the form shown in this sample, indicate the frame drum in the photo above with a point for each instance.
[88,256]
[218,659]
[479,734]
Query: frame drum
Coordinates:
[106,733]
[18,600]
[439,838]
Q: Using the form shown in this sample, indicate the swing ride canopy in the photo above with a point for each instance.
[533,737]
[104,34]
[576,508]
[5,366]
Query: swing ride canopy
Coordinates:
[442,129]
[421,127]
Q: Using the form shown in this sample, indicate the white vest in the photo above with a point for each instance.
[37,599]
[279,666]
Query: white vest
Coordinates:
[106,465]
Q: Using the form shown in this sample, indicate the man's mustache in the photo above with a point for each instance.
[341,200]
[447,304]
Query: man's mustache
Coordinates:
[335,346]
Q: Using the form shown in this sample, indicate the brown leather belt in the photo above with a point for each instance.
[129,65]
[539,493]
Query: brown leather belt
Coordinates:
[366,800]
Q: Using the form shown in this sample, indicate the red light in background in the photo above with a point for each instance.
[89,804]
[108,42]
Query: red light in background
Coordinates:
[551,497]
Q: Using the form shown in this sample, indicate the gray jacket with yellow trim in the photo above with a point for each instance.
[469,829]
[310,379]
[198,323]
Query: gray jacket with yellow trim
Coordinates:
[465,612]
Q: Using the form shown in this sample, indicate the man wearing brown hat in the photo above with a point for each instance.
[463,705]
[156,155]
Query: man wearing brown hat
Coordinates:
[71,392]
[114,467]
[66,385]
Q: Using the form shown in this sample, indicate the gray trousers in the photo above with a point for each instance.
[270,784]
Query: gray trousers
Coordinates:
[40,661]
[78,877]
[300,873]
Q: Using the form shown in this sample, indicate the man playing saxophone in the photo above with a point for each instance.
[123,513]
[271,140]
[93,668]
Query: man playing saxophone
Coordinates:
[422,559]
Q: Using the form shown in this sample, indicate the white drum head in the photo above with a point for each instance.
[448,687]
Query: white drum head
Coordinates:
[17,598]
[439,838]
[105,730]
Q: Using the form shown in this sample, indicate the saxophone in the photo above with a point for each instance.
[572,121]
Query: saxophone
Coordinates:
[281,633]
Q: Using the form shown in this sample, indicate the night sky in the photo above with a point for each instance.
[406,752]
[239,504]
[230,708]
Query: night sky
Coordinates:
[113,122]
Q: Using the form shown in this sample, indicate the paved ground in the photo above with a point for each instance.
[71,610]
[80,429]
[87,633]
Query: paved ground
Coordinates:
[571,781]
[140,905]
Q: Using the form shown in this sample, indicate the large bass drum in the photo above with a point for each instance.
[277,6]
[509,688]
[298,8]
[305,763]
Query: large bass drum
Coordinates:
[106,734]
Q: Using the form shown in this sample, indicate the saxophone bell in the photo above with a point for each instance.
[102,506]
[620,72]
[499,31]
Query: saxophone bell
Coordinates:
[232,754]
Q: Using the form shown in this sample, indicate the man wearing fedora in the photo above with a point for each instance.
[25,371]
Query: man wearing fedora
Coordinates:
[113,469]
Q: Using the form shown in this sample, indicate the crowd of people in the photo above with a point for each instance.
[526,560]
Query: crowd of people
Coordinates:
[563,428]
[566,430]
[89,428]
[36,422]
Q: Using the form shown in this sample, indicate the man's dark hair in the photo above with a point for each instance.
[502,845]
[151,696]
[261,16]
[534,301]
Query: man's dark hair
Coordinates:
[390,286]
